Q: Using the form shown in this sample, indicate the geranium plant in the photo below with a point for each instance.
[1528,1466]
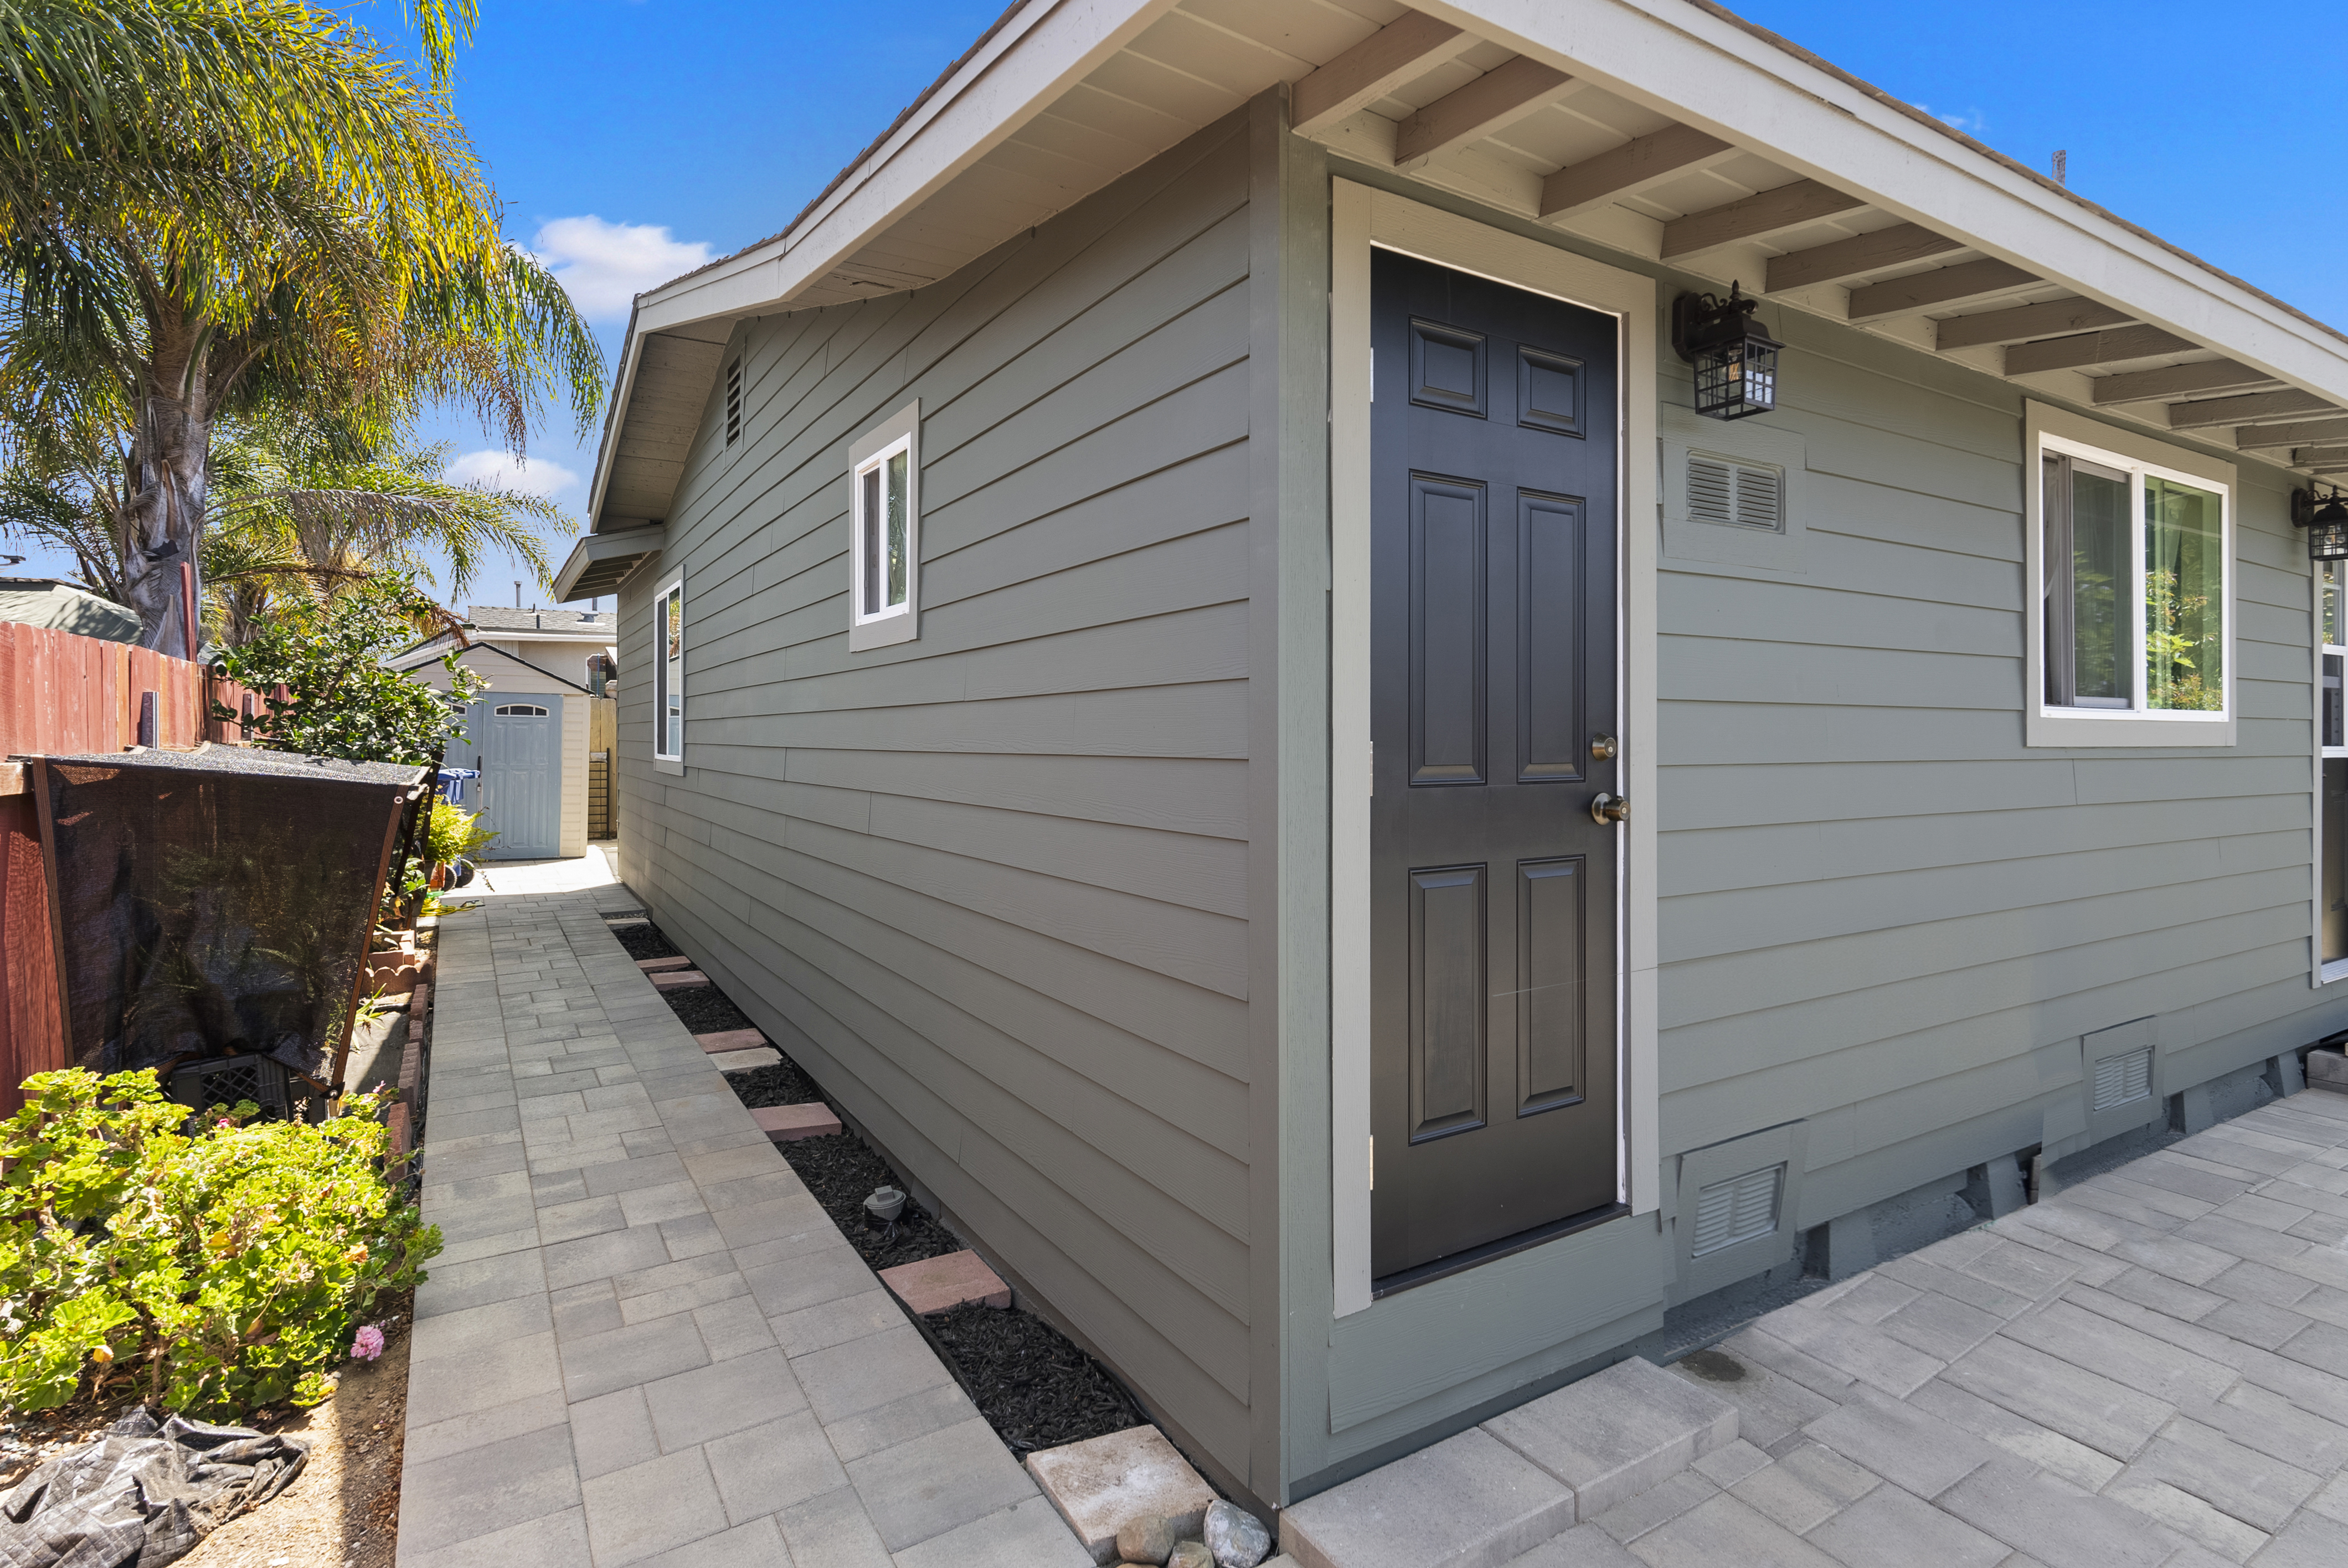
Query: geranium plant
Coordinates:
[215,1273]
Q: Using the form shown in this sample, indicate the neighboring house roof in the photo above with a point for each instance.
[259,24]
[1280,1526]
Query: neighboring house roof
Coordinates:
[433,648]
[551,624]
[64,606]
[1670,130]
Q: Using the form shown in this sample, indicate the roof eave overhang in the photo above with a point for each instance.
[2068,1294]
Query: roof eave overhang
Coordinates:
[1705,68]
[598,564]
[1036,56]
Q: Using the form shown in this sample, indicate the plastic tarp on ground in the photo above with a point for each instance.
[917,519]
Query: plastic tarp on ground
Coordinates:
[142,1495]
[216,901]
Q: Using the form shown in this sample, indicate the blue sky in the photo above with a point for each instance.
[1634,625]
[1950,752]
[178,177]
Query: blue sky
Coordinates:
[632,140]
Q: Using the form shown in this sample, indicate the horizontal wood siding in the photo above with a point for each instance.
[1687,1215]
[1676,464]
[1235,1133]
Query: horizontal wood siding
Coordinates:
[1880,910]
[989,885]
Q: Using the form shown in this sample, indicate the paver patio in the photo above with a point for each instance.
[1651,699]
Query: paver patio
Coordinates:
[2150,1368]
[645,1341]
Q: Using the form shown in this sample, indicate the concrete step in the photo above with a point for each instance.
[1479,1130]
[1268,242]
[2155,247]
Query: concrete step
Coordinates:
[679,979]
[1492,1493]
[675,961]
[726,1039]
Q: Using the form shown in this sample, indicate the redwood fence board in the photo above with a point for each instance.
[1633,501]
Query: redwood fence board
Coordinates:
[64,693]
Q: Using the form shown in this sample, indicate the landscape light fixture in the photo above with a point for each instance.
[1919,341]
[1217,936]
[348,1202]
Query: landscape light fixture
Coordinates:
[2325,518]
[1735,362]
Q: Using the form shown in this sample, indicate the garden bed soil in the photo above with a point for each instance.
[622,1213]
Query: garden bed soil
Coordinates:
[343,1510]
[1035,1388]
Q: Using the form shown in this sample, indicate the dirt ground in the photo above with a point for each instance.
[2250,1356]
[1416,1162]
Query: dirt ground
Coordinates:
[343,1510]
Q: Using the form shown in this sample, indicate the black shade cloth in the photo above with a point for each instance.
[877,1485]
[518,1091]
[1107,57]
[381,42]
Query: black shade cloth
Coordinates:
[214,901]
[142,1495]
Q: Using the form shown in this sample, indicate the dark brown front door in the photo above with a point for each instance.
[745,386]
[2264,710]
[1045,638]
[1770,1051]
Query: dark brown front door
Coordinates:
[1492,713]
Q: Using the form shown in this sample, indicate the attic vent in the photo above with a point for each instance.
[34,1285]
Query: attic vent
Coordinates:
[733,403]
[2124,1078]
[1742,1208]
[1737,495]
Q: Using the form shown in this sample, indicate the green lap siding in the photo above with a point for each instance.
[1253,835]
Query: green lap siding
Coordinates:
[990,886]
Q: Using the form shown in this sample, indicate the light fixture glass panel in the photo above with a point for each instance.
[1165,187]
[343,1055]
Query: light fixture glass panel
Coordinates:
[2184,597]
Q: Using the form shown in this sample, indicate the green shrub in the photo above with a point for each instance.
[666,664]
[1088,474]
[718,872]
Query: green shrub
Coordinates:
[215,1275]
[453,833]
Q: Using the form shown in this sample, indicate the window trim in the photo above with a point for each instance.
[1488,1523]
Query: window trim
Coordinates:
[664,678]
[2324,971]
[901,432]
[2051,430]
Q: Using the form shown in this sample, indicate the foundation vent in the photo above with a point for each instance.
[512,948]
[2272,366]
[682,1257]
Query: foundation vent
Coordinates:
[2123,1079]
[1739,495]
[1737,1210]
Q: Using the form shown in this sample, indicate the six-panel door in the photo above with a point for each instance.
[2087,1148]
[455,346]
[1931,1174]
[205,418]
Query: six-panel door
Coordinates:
[1493,723]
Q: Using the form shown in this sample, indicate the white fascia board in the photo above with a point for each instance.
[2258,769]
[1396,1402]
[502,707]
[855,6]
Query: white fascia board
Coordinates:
[1038,57]
[1039,54]
[1700,69]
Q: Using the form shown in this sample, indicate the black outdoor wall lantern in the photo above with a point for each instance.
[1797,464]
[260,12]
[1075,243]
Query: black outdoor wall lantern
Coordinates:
[2325,520]
[1735,362]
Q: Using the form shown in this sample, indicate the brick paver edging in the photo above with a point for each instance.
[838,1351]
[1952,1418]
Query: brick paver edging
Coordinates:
[645,1342]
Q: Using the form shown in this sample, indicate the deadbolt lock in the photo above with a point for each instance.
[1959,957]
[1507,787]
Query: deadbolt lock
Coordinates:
[1603,747]
[1606,810]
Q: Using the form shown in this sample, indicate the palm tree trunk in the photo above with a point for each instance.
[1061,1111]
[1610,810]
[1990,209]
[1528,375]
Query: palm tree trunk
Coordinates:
[163,494]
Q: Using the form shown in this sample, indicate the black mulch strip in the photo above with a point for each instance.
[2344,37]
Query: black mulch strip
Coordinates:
[781,1084]
[646,941]
[843,1171]
[1034,1388]
[705,1011]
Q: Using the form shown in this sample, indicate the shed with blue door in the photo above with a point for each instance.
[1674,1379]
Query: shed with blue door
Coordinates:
[526,732]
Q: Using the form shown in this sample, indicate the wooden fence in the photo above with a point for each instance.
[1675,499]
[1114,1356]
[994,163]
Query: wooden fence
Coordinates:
[60,693]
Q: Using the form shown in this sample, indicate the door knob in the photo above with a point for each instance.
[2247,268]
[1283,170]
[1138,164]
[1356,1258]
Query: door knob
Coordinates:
[1605,809]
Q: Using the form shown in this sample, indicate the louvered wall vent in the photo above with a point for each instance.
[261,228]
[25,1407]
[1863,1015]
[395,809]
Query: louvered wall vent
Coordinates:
[1739,495]
[2124,1078]
[1741,1208]
[733,403]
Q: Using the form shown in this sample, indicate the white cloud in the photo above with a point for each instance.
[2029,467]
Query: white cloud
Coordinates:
[1973,123]
[504,471]
[605,266]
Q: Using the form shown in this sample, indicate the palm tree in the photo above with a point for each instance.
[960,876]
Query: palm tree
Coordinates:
[301,510]
[305,232]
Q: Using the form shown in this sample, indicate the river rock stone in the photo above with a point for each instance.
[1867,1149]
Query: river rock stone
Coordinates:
[1190,1555]
[1236,1537]
[1146,1538]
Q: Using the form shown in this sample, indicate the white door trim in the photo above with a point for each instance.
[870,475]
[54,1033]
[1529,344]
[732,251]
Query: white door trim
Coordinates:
[1362,218]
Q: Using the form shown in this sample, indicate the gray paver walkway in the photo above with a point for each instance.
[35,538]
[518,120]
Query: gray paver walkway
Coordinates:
[2147,1370]
[646,1342]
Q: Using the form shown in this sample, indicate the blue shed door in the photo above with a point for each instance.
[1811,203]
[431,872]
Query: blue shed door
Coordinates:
[517,744]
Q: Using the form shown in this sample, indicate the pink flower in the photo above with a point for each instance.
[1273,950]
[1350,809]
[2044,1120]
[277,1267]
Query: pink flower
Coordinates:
[368,1345]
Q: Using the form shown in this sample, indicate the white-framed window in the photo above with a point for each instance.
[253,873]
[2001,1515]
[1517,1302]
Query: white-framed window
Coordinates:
[885,532]
[2131,555]
[520,710]
[668,674]
[2331,746]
